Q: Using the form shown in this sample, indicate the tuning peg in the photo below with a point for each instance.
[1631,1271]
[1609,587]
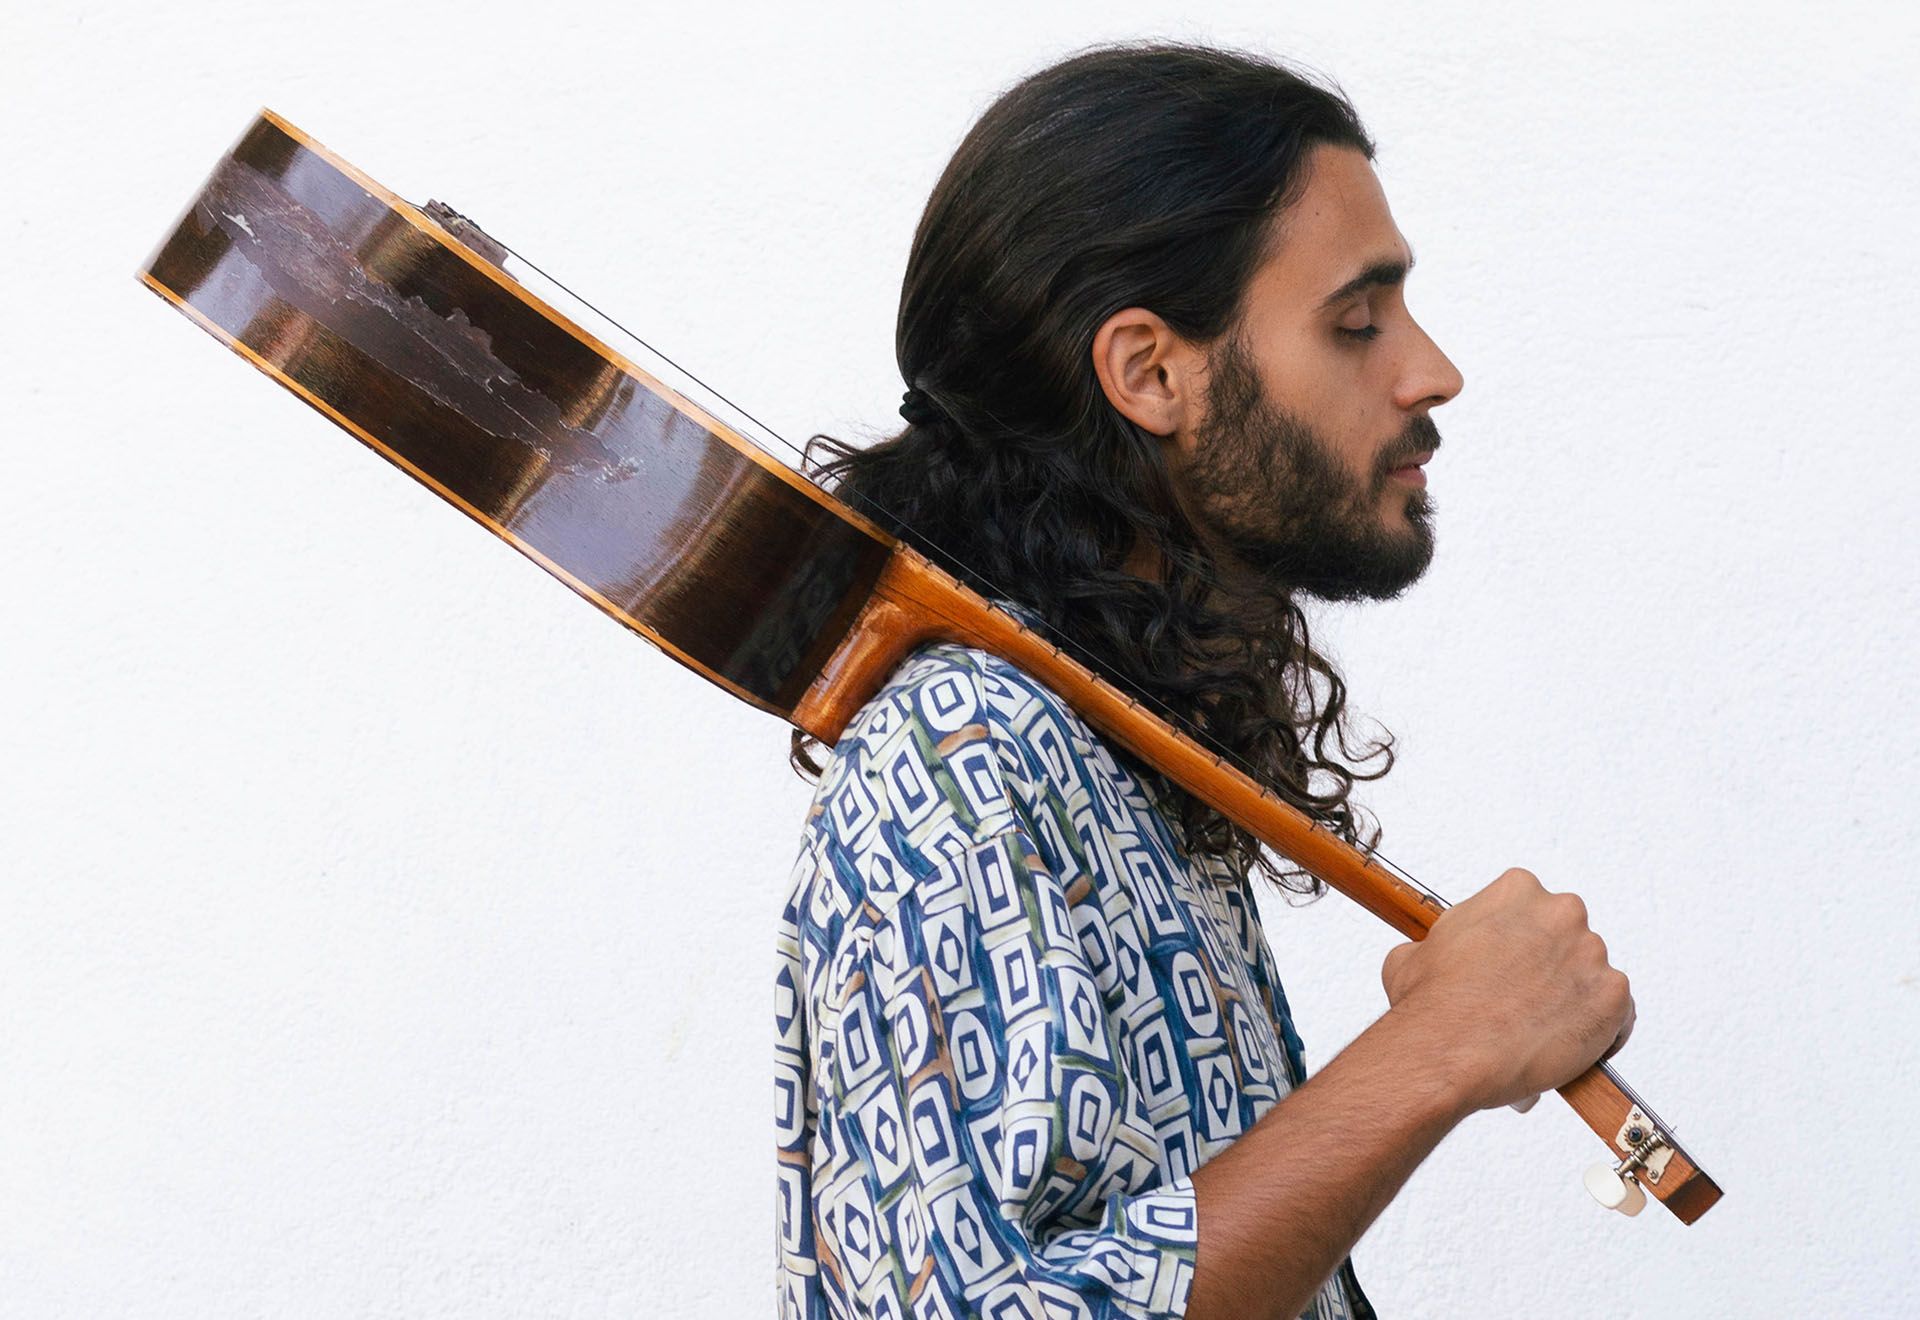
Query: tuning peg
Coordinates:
[1613,1191]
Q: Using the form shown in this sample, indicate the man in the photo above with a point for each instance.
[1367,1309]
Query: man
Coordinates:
[1034,1055]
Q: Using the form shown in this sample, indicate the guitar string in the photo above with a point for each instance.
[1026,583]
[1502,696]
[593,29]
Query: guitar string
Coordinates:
[1221,754]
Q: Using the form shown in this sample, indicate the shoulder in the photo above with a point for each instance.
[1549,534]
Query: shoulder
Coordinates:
[1002,735]
[924,762]
[958,748]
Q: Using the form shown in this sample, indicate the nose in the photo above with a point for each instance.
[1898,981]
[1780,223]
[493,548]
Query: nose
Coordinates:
[1429,378]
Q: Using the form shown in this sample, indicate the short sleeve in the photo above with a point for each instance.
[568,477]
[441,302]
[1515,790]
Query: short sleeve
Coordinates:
[994,1156]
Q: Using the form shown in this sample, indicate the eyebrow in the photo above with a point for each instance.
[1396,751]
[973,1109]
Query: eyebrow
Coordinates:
[1385,272]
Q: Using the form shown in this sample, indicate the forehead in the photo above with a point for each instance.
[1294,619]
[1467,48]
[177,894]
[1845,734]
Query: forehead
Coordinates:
[1339,226]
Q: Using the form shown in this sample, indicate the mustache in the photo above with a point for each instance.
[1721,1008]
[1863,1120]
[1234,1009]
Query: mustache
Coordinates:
[1420,436]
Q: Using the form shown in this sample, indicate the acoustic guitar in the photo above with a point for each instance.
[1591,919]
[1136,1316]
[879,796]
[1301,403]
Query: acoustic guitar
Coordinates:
[405,326]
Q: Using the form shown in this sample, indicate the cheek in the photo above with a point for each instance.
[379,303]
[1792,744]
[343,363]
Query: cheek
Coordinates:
[1331,392]
[1354,435]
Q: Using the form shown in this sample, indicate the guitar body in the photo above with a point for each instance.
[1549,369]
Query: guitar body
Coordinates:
[417,343]
[403,326]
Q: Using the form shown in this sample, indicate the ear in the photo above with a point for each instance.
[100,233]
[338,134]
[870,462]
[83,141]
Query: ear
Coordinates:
[1152,376]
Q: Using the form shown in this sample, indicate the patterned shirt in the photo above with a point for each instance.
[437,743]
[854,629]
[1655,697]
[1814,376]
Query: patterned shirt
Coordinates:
[1012,1018]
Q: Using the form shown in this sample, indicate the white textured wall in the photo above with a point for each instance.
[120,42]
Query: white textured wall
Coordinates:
[386,933]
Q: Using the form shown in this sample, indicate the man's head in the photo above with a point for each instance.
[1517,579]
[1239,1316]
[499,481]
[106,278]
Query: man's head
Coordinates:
[1155,426]
[1295,439]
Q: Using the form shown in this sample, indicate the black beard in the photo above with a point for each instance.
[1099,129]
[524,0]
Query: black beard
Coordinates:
[1265,487]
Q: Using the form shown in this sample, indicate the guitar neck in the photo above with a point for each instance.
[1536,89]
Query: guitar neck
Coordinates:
[915,603]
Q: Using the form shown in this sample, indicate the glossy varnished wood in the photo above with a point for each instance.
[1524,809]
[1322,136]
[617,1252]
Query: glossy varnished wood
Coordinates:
[632,495]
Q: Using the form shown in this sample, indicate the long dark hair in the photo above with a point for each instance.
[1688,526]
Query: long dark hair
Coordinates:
[1128,175]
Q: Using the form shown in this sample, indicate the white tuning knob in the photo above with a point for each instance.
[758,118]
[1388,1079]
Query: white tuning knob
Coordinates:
[1614,1191]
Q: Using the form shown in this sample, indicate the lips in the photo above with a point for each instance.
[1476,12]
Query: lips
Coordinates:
[1413,472]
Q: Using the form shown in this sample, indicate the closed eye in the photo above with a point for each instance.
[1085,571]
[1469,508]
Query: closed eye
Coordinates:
[1365,332]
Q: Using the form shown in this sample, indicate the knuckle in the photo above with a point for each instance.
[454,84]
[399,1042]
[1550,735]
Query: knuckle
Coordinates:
[1571,908]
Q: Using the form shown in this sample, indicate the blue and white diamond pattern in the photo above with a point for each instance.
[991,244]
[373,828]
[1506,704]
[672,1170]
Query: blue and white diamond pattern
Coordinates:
[1011,1019]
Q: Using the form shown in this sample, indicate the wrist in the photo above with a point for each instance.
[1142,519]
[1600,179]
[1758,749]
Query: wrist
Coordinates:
[1446,1070]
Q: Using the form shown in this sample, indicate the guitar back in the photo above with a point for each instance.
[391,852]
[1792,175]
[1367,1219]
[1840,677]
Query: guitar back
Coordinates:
[419,344]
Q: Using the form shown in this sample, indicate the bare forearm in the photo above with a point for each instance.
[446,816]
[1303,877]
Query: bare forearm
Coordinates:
[1282,1206]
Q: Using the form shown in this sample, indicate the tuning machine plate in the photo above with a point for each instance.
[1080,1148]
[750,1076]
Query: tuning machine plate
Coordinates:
[1617,1185]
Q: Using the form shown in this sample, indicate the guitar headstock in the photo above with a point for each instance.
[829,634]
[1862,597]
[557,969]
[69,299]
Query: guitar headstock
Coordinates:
[1651,1159]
